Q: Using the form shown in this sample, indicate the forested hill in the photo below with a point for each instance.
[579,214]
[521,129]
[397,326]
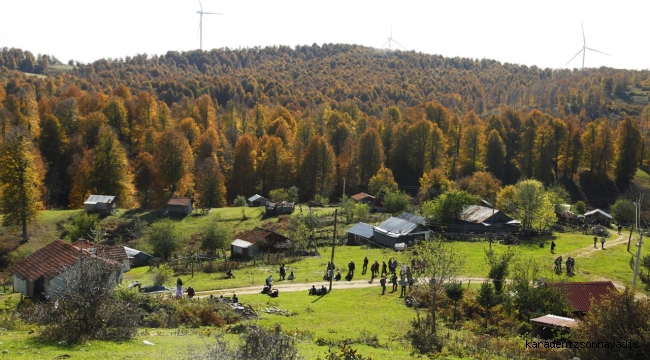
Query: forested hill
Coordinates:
[224,123]
[370,79]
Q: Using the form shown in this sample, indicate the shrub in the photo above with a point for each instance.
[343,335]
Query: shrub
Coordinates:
[239,201]
[161,275]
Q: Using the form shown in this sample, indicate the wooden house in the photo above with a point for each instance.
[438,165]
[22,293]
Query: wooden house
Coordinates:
[179,205]
[116,253]
[258,240]
[582,295]
[100,204]
[363,198]
[137,258]
[257,200]
[480,219]
[359,234]
[43,273]
[551,327]
[279,208]
[599,217]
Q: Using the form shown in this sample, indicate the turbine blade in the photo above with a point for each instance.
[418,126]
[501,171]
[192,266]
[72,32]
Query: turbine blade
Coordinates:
[596,51]
[213,13]
[584,41]
[399,44]
[574,56]
[385,43]
[201,5]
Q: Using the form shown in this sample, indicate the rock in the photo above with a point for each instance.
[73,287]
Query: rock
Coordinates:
[147,342]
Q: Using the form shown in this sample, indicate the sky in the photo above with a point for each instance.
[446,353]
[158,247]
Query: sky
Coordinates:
[544,33]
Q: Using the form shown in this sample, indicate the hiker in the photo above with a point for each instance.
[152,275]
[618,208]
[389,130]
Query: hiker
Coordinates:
[364,270]
[179,288]
[403,282]
[229,274]
[620,227]
[337,277]
[269,280]
[235,299]
[375,269]
[602,242]
[313,290]
[384,270]
[190,292]
[348,277]
[291,276]
[393,280]
[568,265]
[382,282]
[595,241]
[558,265]
[323,290]
[552,247]
[274,293]
[351,268]
[266,289]
[283,272]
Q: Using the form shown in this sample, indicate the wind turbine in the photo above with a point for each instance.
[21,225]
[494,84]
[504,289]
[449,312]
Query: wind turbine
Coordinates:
[201,23]
[391,40]
[584,49]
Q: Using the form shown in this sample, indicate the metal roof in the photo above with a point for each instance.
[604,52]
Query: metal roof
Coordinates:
[555,320]
[179,201]
[361,196]
[598,211]
[396,226]
[420,220]
[94,199]
[361,229]
[131,252]
[256,197]
[241,243]
[477,214]
[579,295]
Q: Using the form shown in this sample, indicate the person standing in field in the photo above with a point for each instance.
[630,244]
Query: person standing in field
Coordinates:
[382,282]
[403,282]
[595,241]
[365,266]
[602,242]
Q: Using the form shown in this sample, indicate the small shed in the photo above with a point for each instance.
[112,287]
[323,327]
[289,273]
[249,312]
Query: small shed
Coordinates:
[550,327]
[179,205]
[259,240]
[43,273]
[363,198]
[257,200]
[100,204]
[598,217]
[359,234]
[243,248]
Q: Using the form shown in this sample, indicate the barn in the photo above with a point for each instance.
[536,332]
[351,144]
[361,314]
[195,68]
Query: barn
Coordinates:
[100,204]
[257,200]
[598,217]
[359,234]
[179,205]
[480,219]
[404,228]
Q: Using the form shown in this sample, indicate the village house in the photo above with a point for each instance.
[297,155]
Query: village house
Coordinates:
[480,219]
[257,200]
[100,204]
[363,198]
[43,273]
[116,253]
[599,217]
[279,208]
[551,327]
[404,228]
[137,258]
[179,205]
[582,295]
[359,234]
[258,240]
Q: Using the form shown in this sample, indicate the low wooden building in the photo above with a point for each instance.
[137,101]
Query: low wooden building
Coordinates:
[259,240]
[43,273]
[359,234]
[480,219]
[179,205]
[363,198]
[100,204]
[257,200]
[581,296]
[598,217]
[279,208]
[137,258]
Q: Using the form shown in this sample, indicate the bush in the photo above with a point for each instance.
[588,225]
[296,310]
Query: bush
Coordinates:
[422,336]
[240,201]
[162,274]
[84,226]
[255,343]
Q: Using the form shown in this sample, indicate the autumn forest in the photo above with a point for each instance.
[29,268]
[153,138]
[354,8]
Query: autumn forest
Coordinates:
[218,124]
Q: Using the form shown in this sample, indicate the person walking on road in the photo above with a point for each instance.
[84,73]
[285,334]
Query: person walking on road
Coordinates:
[595,241]
[602,242]
[364,270]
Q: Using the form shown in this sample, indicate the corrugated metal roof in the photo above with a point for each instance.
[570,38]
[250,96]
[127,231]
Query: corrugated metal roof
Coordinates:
[579,295]
[555,320]
[598,211]
[241,243]
[476,213]
[420,220]
[94,199]
[396,226]
[255,197]
[131,252]
[361,229]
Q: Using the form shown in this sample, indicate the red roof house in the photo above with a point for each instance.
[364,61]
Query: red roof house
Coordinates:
[582,295]
[42,274]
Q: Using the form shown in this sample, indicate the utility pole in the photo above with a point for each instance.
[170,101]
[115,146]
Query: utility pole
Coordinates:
[343,188]
[333,244]
[638,249]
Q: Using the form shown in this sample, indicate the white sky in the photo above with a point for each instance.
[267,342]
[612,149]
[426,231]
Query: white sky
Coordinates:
[545,33]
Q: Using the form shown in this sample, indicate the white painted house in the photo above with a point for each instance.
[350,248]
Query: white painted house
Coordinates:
[43,273]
